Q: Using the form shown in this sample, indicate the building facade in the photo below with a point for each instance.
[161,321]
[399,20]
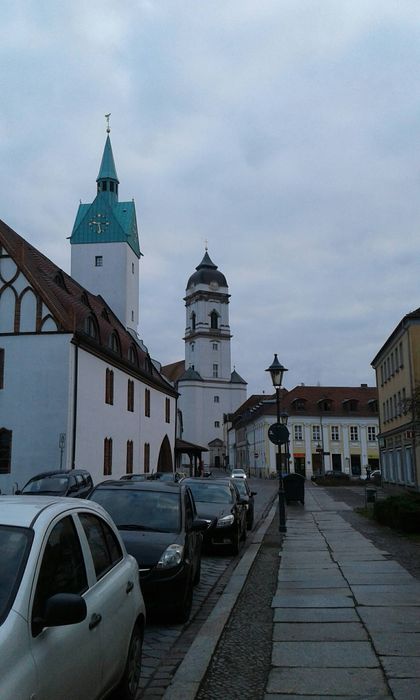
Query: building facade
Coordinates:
[330,428]
[78,389]
[397,367]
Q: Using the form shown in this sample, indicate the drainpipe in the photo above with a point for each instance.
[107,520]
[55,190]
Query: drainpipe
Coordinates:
[75,385]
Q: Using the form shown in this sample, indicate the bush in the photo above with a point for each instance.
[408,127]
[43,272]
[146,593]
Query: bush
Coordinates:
[401,512]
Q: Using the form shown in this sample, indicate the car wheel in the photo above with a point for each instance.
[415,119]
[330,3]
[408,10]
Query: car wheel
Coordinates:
[197,572]
[235,542]
[128,687]
[183,610]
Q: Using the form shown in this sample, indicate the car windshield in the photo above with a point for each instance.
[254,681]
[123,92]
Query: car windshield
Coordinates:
[211,493]
[47,484]
[141,510]
[15,544]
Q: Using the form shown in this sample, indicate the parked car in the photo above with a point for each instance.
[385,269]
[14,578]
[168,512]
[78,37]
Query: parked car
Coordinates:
[375,477]
[238,474]
[331,475]
[218,501]
[71,610]
[242,485]
[134,477]
[159,525]
[72,482]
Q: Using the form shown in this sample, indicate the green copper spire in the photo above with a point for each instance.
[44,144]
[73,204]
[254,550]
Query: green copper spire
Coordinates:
[106,219]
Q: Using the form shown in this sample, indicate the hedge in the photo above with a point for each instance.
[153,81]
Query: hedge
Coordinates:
[401,512]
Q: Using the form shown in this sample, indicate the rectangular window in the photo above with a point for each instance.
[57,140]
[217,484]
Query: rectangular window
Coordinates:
[147,402]
[109,386]
[298,432]
[217,424]
[1,368]
[215,371]
[146,457]
[354,433]
[401,356]
[99,261]
[107,456]
[335,433]
[130,395]
[5,450]
[129,459]
[316,432]
[216,399]
[371,433]
[409,465]
[167,410]
[215,346]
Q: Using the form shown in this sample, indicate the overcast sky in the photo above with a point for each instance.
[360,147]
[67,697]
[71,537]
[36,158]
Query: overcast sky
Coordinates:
[286,133]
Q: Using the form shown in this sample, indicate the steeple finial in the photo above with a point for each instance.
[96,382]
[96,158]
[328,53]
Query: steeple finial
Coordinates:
[206,244]
[108,128]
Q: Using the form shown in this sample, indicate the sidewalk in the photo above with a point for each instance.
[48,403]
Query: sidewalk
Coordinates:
[338,619]
[346,616]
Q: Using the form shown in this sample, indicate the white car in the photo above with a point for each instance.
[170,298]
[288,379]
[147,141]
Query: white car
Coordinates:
[238,474]
[71,610]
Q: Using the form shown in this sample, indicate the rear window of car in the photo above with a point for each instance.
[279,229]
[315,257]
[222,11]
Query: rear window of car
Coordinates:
[205,492]
[47,484]
[158,511]
[15,543]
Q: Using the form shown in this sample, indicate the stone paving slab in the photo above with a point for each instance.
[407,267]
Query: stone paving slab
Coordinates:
[396,643]
[398,619]
[371,579]
[401,668]
[315,598]
[346,557]
[315,615]
[404,689]
[320,631]
[315,582]
[309,574]
[378,567]
[281,696]
[327,682]
[324,655]
[387,595]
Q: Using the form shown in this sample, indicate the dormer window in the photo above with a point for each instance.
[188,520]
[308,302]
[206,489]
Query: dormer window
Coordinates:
[59,279]
[132,355]
[114,343]
[351,405]
[84,299]
[299,404]
[91,327]
[325,404]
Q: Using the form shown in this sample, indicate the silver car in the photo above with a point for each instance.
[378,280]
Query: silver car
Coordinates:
[71,610]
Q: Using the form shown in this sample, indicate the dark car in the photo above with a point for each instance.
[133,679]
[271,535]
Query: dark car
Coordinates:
[219,502]
[72,482]
[134,477]
[245,491]
[159,525]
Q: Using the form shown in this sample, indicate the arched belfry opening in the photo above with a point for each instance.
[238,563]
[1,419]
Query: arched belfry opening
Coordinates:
[165,460]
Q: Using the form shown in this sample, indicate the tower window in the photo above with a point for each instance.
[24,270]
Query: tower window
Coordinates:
[104,186]
[216,399]
[111,186]
[215,370]
[215,346]
[99,261]
[214,319]
[132,268]
[217,424]
[193,320]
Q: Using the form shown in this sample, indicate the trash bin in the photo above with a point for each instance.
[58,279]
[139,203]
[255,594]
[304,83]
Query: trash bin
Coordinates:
[370,494]
[294,488]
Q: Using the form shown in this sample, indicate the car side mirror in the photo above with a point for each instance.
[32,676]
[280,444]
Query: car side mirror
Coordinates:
[61,609]
[18,492]
[199,525]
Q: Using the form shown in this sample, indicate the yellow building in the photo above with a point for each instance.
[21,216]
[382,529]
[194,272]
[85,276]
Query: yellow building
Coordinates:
[397,367]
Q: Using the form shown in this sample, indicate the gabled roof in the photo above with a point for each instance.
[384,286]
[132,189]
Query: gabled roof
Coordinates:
[174,371]
[75,310]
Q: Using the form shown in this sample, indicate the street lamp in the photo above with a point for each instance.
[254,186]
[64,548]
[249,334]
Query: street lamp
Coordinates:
[279,436]
[284,417]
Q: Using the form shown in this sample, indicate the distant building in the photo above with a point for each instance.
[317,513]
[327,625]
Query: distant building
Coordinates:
[77,386]
[207,385]
[331,428]
[397,366]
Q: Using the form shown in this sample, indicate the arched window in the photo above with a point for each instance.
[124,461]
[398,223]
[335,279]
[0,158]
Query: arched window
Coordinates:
[107,456]
[114,343]
[91,327]
[193,320]
[214,319]
[84,299]
[132,355]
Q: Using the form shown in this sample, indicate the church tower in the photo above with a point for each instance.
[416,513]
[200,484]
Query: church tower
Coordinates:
[105,250]
[209,388]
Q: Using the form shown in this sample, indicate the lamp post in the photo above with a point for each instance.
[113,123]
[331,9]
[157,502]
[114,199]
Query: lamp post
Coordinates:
[279,436]
[284,417]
